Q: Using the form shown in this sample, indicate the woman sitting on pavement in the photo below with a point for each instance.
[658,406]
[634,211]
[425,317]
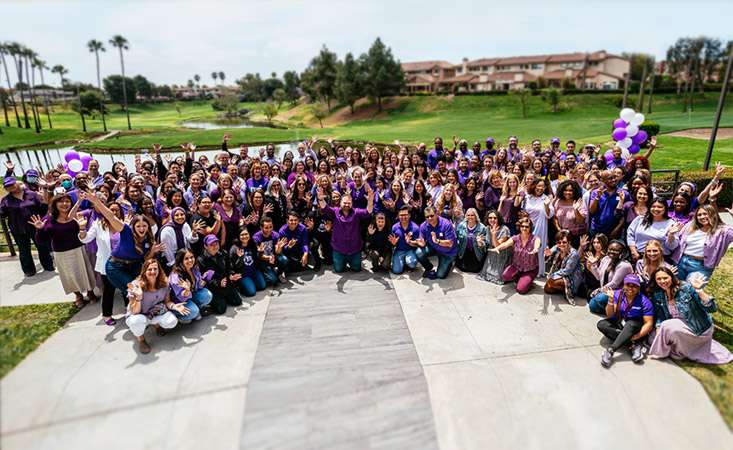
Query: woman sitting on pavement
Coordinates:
[150,304]
[566,271]
[187,286]
[243,256]
[610,272]
[223,283]
[629,319]
[525,261]
[684,326]
[472,237]
[495,263]
[378,247]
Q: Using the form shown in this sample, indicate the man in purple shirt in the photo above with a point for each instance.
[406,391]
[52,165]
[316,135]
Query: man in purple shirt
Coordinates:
[346,237]
[437,237]
[297,248]
[269,247]
[436,153]
[404,239]
[18,207]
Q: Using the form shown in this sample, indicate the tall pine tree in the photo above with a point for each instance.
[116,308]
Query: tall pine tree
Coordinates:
[383,75]
[319,78]
[349,81]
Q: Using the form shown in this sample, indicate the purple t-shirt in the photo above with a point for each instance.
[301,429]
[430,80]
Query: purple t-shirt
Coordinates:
[401,233]
[640,307]
[443,230]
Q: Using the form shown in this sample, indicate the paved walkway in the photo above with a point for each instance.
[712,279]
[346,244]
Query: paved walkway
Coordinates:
[328,363]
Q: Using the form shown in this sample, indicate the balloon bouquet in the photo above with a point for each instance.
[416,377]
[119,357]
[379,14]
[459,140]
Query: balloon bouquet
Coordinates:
[76,162]
[626,132]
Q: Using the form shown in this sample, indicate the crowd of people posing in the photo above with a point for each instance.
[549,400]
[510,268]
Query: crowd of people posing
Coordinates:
[185,237]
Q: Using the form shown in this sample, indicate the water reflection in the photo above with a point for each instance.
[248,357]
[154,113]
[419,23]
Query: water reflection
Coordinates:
[49,158]
[217,125]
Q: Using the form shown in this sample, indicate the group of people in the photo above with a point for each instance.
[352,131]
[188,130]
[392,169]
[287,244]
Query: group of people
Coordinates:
[185,237]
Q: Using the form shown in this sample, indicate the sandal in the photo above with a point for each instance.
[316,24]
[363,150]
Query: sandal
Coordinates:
[144,347]
[92,298]
[160,331]
[79,303]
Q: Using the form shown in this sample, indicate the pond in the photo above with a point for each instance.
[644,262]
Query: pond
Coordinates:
[218,124]
[48,158]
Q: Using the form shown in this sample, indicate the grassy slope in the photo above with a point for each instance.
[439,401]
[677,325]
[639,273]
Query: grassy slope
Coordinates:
[718,380]
[24,328]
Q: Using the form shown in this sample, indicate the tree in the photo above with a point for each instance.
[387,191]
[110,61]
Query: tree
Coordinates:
[4,100]
[96,46]
[214,75]
[143,87]
[41,65]
[523,95]
[116,90]
[321,76]
[122,44]
[28,55]
[197,79]
[3,51]
[164,91]
[279,97]
[292,83]
[89,101]
[552,97]
[320,112]
[270,110]
[221,76]
[14,50]
[61,70]
[349,81]
[383,75]
[228,103]
[252,87]
[272,84]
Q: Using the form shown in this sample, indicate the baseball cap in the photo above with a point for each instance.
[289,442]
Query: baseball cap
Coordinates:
[632,279]
[489,140]
[9,181]
[210,239]
[555,140]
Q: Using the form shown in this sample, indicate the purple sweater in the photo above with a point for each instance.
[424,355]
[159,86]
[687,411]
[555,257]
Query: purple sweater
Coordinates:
[346,232]
[716,244]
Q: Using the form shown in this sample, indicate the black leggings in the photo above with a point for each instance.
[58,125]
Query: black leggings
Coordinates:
[108,297]
[620,335]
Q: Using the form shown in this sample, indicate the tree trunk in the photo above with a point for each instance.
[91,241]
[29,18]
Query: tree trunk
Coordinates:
[379,103]
[99,86]
[19,67]
[36,121]
[10,88]
[124,90]
[5,111]
[45,99]
[320,121]
[81,111]
[627,81]
[688,70]
[640,103]
[651,94]
[691,106]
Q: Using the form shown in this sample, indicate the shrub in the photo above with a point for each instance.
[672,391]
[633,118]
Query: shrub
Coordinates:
[701,179]
[651,128]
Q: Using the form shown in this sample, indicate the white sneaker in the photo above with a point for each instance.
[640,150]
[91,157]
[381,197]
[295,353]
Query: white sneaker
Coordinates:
[282,278]
[197,317]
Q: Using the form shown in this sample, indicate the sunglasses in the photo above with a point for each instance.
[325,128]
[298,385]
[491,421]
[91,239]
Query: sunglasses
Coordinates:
[430,216]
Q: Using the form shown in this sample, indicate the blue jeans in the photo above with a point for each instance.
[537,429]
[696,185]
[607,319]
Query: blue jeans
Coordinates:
[250,285]
[597,304]
[270,272]
[120,275]
[687,266]
[340,260]
[445,263]
[200,298]
[402,258]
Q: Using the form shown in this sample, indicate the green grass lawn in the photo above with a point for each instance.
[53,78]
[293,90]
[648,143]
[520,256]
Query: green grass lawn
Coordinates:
[585,118]
[24,328]
[718,380]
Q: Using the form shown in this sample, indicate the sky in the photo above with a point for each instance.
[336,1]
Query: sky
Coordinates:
[170,41]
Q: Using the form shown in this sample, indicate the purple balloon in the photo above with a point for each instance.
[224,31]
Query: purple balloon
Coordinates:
[634,149]
[619,134]
[640,137]
[85,160]
[620,123]
[608,155]
[71,154]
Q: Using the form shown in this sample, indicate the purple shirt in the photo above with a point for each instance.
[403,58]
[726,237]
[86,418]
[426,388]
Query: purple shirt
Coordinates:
[173,283]
[443,230]
[125,248]
[640,307]
[401,233]
[63,236]
[19,212]
[300,234]
[269,241]
[346,236]
[522,258]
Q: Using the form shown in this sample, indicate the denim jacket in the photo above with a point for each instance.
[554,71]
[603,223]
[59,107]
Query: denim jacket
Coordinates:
[462,236]
[692,310]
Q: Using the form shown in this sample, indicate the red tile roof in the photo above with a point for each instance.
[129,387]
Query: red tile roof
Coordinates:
[425,65]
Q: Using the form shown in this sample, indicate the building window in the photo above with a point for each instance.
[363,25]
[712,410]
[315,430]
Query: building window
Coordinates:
[459,70]
[484,68]
[536,66]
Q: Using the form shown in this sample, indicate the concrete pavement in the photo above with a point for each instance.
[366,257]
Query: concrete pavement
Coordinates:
[470,365]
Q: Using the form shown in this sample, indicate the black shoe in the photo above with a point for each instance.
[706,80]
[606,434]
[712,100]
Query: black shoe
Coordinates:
[206,311]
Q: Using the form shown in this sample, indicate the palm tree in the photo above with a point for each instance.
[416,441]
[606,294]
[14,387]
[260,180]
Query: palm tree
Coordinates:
[40,65]
[61,70]
[28,55]
[96,47]
[14,50]
[221,76]
[122,44]
[3,51]
[214,75]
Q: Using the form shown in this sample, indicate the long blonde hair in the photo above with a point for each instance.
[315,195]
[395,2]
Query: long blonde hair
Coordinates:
[505,190]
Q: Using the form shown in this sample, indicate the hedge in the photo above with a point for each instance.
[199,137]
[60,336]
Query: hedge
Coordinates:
[701,179]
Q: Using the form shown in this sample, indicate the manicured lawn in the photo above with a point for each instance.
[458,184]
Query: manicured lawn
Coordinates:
[718,380]
[24,328]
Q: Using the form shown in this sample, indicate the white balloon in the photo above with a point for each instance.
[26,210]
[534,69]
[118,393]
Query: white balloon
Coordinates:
[624,143]
[631,130]
[627,114]
[637,120]
[76,165]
